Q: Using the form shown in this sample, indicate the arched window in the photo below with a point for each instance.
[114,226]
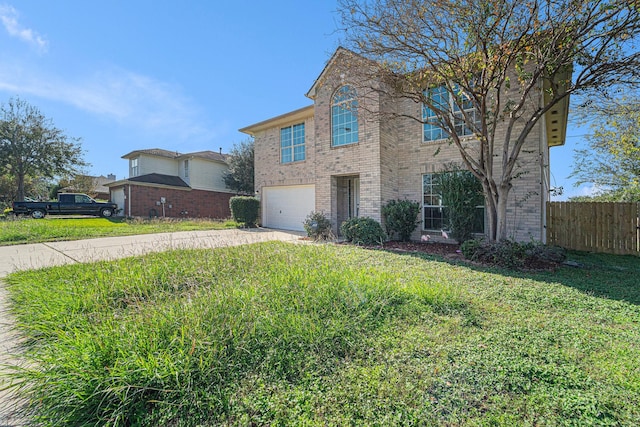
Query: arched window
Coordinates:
[344,116]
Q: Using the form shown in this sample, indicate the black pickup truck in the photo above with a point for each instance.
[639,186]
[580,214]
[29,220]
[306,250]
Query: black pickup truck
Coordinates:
[67,204]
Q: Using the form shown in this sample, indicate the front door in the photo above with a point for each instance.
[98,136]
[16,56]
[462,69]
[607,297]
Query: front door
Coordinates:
[347,198]
[354,198]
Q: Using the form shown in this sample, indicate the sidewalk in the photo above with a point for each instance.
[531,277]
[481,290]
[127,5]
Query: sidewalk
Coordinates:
[39,255]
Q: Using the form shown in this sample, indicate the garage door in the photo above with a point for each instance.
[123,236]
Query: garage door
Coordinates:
[287,207]
[117,196]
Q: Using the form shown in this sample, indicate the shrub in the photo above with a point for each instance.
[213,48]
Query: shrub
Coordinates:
[363,231]
[401,216]
[469,248]
[244,209]
[461,194]
[318,226]
[510,254]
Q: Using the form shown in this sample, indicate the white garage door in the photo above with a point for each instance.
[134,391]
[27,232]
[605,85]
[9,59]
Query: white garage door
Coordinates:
[117,196]
[287,207]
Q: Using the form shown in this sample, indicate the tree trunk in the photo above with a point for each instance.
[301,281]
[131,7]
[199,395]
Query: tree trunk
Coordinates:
[491,212]
[20,179]
[496,210]
[503,195]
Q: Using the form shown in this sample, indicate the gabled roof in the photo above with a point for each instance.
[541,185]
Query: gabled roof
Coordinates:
[153,178]
[341,51]
[209,155]
[158,178]
[281,120]
[159,152]
[152,152]
[556,118]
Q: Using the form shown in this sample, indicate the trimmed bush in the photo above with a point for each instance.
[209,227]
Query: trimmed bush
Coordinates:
[318,226]
[244,209]
[363,231]
[510,254]
[401,216]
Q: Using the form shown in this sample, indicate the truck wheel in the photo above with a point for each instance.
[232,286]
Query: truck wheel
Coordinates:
[38,214]
[106,213]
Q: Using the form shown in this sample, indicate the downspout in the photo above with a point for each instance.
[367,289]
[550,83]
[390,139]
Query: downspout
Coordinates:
[544,189]
[129,200]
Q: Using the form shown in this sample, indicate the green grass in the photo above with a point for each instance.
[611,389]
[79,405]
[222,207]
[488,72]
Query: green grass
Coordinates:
[281,334]
[27,230]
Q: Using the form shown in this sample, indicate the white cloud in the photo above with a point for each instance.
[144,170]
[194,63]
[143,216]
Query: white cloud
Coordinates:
[9,19]
[113,94]
[589,190]
[142,104]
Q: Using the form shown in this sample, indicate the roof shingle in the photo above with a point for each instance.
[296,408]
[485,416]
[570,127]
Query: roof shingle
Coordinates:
[157,178]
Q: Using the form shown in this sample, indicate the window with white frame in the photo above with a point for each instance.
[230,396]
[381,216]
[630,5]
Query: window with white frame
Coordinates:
[435,214]
[134,167]
[431,130]
[186,168]
[292,147]
[344,116]
[458,106]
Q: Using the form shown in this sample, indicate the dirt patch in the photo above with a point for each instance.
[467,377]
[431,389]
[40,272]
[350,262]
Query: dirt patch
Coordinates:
[446,250]
[452,252]
[443,249]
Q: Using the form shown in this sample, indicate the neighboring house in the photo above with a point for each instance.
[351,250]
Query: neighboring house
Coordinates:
[96,186]
[170,184]
[344,161]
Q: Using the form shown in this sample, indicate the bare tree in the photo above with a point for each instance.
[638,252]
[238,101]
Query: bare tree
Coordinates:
[30,145]
[501,64]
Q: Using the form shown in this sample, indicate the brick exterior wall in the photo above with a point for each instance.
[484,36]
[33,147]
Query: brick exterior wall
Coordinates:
[179,203]
[525,208]
[268,169]
[390,159]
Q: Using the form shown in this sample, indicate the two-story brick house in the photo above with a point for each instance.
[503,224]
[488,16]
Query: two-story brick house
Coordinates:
[166,183]
[336,157]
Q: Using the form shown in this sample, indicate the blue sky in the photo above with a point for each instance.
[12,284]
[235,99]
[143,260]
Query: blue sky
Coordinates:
[185,76]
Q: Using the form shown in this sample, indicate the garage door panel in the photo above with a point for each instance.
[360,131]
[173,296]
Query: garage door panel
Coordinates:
[287,207]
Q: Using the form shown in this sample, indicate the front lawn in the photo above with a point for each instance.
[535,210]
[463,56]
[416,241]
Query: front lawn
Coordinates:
[27,230]
[285,334]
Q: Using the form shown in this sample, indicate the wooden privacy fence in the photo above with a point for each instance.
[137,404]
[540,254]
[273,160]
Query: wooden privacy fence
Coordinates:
[594,226]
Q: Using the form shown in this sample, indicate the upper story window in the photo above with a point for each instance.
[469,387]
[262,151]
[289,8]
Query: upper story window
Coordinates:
[134,167]
[457,106]
[344,116]
[186,168]
[292,144]
[440,97]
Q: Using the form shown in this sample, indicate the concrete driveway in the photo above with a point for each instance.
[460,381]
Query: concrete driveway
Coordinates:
[38,255]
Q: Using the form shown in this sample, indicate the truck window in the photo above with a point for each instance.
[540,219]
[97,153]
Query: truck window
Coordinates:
[81,198]
[66,198]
